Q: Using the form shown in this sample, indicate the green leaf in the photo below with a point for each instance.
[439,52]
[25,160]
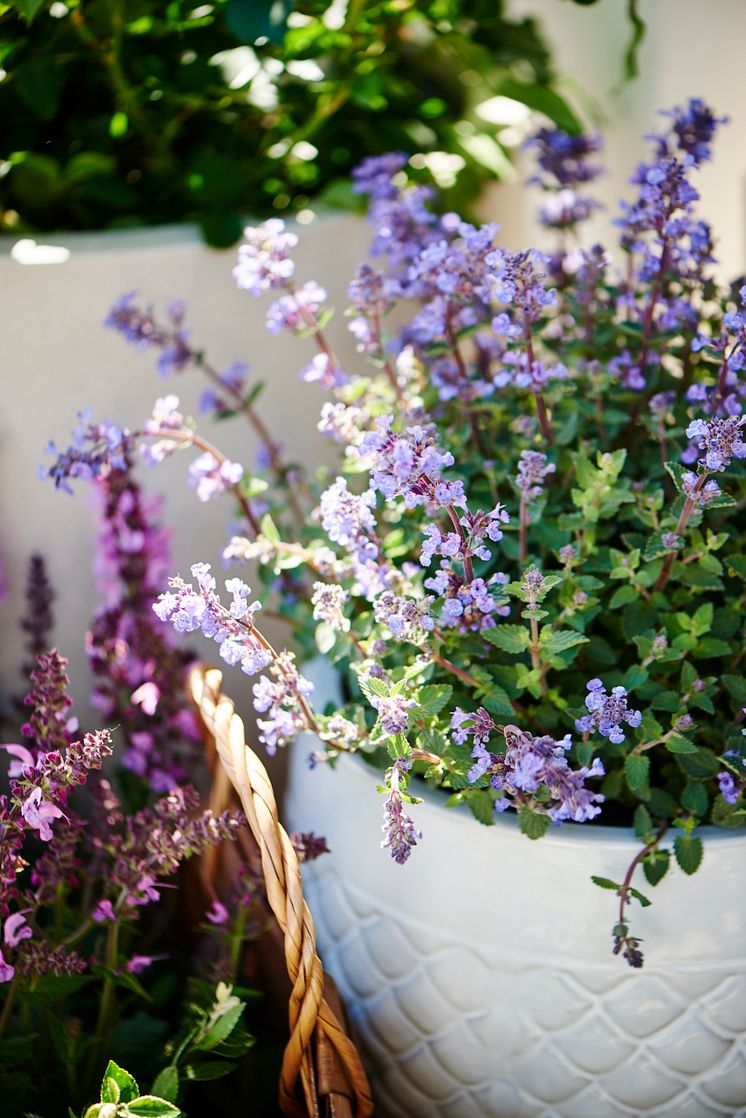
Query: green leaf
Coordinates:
[736,565]
[634,677]
[643,823]
[250,20]
[736,685]
[605,883]
[221,1028]
[679,744]
[166,1085]
[711,646]
[636,770]
[497,701]
[638,896]
[676,470]
[532,824]
[27,8]
[655,866]
[325,636]
[372,687]
[695,799]
[560,640]
[148,1106]
[510,638]
[482,806]
[125,1082]
[700,765]
[432,699]
[209,1069]
[109,1090]
[688,851]
[269,529]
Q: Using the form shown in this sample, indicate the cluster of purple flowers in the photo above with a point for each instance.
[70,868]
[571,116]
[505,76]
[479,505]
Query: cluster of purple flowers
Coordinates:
[410,466]
[282,695]
[533,469]
[468,605]
[138,674]
[189,609]
[211,478]
[140,327]
[264,260]
[96,448]
[607,712]
[407,618]
[399,829]
[527,764]
[720,439]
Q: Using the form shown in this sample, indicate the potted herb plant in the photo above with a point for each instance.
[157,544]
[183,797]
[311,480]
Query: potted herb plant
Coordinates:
[529,575]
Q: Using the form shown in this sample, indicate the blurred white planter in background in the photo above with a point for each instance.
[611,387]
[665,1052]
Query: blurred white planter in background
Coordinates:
[57,358]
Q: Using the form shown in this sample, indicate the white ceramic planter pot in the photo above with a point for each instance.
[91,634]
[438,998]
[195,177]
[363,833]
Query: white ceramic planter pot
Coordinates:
[480,975]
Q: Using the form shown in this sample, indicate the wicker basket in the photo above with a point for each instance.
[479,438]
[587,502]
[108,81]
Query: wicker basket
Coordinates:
[321,1070]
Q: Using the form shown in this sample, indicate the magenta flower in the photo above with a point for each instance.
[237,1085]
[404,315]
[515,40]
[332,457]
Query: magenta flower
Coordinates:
[40,813]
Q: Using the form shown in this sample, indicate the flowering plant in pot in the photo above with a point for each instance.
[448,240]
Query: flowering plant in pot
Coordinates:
[529,568]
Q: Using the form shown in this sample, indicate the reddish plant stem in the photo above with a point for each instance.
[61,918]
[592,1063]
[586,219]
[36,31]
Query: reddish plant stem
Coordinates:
[624,890]
[191,439]
[468,566]
[686,512]
[522,529]
[541,408]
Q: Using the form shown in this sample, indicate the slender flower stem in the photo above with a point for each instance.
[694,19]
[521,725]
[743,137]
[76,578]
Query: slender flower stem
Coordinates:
[468,566]
[535,649]
[522,529]
[686,512]
[9,1002]
[541,408]
[464,676]
[279,468]
[624,890]
[192,439]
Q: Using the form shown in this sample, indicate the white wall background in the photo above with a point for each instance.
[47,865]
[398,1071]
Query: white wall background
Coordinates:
[691,49]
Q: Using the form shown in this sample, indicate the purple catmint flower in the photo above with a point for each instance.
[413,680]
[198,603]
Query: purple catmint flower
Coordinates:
[607,712]
[140,328]
[702,495]
[626,369]
[392,713]
[691,131]
[400,832]
[517,279]
[281,696]
[16,930]
[308,846]
[211,478]
[729,790]
[410,466]
[565,158]
[188,610]
[264,260]
[328,601]
[373,176]
[533,469]
[103,912]
[720,439]
[96,449]
[298,310]
[406,618]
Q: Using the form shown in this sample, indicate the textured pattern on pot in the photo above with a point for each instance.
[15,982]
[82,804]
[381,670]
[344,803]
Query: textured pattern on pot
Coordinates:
[495,993]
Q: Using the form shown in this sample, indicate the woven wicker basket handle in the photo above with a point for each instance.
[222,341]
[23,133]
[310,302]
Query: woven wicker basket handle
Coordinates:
[310,1015]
